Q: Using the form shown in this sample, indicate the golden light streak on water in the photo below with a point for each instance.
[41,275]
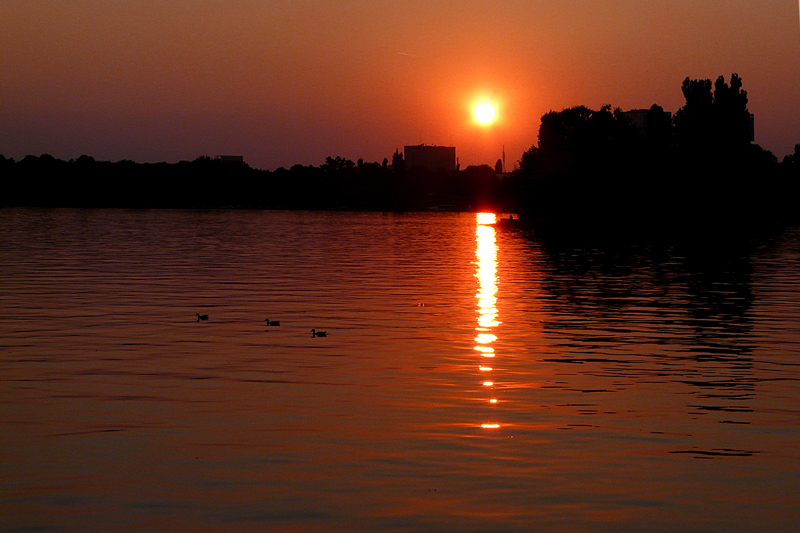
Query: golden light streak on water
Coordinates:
[485,338]
[488,317]
[486,252]
[486,305]
[486,273]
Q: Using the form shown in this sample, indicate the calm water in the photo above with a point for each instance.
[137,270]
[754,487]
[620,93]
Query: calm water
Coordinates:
[475,377]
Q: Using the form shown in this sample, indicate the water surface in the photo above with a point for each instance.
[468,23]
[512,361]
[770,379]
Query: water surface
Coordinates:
[475,376]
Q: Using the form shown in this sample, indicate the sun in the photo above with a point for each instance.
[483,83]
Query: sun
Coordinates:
[484,113]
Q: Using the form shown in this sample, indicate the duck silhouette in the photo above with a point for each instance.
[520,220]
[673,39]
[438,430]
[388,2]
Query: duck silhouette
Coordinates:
[269,322]
[201,317]
[315,333]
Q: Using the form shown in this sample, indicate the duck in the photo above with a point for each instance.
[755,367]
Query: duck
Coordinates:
[201,317]
[272,322]
[315,333]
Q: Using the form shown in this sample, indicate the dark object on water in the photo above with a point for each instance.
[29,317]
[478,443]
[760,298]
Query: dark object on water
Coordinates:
[201,317]
[315,333]
[272,323]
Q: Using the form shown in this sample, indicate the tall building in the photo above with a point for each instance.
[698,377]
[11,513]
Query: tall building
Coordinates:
[432,158]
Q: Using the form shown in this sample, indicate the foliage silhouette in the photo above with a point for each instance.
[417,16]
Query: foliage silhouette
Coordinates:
[212,183]
[589,167]
[700,169]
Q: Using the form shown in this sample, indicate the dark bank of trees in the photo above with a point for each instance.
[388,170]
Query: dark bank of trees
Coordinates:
[338,183]
[85,182]
[341,184]
[700,166]
[588,166]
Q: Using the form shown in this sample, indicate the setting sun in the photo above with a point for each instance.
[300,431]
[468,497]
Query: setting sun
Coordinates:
[484,113]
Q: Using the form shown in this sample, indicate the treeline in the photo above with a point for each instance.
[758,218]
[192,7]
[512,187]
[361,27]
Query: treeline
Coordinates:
[698,166]
[588,165]
[338,183]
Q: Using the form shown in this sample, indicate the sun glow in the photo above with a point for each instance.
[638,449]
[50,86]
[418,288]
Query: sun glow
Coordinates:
[484,113]
[486,219]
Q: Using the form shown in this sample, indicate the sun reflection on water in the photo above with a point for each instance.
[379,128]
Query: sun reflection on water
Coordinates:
[486,253]
[485,338]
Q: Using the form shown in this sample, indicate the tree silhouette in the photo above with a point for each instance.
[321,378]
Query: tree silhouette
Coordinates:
[585,165]
[398,162]
[339,164]
[659,130]
[793,159]
[693,122]
[704,169]
[730,112]
[713,123]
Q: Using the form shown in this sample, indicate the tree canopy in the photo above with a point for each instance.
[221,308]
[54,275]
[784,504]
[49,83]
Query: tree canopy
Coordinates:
[702,164]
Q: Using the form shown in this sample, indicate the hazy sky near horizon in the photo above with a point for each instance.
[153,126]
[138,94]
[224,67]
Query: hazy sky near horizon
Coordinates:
[293,81]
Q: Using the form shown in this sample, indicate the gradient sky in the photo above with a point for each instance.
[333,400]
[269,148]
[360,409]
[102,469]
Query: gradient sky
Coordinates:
[293,81]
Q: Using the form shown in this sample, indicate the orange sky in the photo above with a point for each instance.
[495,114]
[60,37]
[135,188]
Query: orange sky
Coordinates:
[294,81]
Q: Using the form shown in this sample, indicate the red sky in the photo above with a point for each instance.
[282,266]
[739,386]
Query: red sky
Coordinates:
[293,81]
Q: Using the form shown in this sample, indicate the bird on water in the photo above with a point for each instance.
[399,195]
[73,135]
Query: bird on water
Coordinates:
[315,333]
[201,317]
[269,322]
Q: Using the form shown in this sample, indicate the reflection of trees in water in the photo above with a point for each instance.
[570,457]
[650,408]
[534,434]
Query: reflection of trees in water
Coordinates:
[655,309]
[719,285]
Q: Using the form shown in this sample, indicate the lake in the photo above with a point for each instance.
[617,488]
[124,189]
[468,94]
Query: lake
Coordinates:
[475,376]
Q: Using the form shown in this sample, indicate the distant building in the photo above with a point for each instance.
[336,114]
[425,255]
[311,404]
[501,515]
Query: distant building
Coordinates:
[430,158]
[639,118]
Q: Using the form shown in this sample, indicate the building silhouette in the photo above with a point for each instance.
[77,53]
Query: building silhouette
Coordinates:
[642,119]
[431,158]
